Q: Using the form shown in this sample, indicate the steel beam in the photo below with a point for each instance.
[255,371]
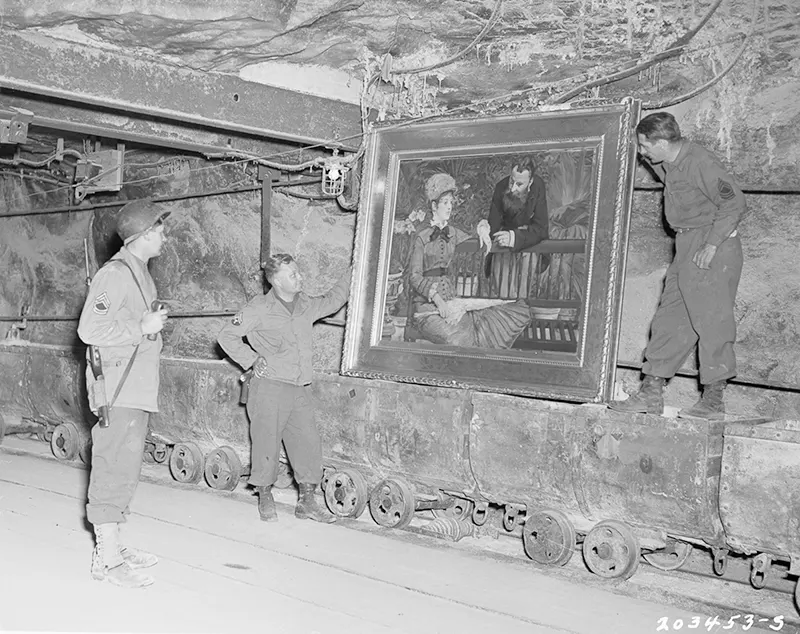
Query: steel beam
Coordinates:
[78,74]
[60,117]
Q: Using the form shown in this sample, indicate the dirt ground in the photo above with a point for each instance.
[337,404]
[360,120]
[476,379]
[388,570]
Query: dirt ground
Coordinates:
[221,570]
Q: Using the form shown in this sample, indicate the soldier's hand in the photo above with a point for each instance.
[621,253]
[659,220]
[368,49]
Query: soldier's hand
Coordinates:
[260,368]
[153,321]
[704,256]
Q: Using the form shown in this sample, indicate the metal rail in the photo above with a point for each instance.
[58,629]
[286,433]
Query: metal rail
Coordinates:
[118,203]
[182,315]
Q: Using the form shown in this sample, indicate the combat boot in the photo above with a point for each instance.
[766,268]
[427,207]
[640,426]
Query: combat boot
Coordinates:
[266,504]
[108,563]
[307,508]
[648,400]
[710,406]
[136,559]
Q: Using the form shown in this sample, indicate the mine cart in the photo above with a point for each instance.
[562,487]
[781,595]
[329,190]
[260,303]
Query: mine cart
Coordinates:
[760,495]
[43,392]
[623,484]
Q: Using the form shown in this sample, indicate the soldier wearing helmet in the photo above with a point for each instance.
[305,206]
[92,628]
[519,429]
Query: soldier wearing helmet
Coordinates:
[119,321]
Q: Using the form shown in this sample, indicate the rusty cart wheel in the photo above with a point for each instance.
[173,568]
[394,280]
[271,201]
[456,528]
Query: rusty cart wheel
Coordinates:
[346,493]
[65,442]
[160,454]
[461,510]
[186,463]
[548,537]
[672,557]
[611,550]
[392,503]
[222,469]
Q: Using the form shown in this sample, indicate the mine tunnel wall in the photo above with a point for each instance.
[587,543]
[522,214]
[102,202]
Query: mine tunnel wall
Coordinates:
[210,263]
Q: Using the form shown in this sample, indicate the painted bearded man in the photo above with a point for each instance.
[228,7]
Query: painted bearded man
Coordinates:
[518,220]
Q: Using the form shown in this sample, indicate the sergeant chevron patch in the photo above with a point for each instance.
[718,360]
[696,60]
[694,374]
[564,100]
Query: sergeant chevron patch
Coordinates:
[725,190]
[101,304]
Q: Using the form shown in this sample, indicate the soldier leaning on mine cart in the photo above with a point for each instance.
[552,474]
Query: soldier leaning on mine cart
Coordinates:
[704,206]
[121,323]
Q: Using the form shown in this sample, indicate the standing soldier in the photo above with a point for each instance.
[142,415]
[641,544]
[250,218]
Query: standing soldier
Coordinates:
[118,322]
[278,328]
[703,205]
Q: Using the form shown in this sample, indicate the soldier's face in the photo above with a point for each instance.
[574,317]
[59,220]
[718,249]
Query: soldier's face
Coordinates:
[288,278]
[653,151]
[155,239]
[519,183]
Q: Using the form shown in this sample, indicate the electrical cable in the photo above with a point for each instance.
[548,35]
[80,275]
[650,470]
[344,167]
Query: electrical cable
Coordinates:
[671,51]
[405,122]
[487,27]
[666,103]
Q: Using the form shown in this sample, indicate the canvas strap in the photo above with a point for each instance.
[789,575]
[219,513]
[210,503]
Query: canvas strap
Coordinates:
[128,367]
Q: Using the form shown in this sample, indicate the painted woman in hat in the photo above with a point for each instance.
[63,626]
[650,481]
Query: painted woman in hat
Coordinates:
[439,314]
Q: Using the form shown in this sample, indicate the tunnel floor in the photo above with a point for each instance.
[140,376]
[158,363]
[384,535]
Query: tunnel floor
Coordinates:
[221,570]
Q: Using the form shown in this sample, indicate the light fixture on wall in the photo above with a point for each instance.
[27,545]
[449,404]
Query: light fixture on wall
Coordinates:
[334,171]
[99,171]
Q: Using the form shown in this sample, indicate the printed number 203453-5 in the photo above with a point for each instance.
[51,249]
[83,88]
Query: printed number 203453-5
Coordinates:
[714,623]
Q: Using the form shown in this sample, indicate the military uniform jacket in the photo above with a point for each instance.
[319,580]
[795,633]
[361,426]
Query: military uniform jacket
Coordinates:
[699,192]
[531,224]
[111,320]
[284,339]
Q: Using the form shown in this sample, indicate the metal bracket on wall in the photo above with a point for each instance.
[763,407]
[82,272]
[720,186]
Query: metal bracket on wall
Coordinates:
[265,177]
[14,125]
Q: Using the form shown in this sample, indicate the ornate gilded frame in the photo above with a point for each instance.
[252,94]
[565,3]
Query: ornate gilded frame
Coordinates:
[587,375]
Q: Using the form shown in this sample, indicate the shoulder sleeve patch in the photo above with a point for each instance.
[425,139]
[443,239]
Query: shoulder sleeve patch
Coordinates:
[725,190]
[101,304]
[237,319]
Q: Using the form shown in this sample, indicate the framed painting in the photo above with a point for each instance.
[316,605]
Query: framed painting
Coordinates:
[490,252]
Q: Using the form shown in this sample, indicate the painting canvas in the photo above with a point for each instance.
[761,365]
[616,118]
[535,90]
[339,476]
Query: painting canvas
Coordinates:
[490,252]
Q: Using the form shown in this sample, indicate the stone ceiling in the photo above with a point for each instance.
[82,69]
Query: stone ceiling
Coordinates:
[543,47]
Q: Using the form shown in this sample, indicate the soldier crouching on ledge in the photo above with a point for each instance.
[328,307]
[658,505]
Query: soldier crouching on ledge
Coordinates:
[278,328]
[119,320]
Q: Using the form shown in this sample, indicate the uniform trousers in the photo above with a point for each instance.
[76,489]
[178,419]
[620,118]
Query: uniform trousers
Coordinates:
[282,412]
[116,465]
[696,307]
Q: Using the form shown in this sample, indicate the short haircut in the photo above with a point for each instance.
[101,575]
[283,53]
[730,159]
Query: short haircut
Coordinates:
[659,125]
[273,264]
[525,165]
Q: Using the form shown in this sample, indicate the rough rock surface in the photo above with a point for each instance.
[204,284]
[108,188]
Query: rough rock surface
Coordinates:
[538,49]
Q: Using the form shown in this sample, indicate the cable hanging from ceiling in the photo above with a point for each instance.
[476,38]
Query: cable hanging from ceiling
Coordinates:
[679,46]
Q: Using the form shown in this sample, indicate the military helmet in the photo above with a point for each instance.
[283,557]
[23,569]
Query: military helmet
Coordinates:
[137,217]
[439,184]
